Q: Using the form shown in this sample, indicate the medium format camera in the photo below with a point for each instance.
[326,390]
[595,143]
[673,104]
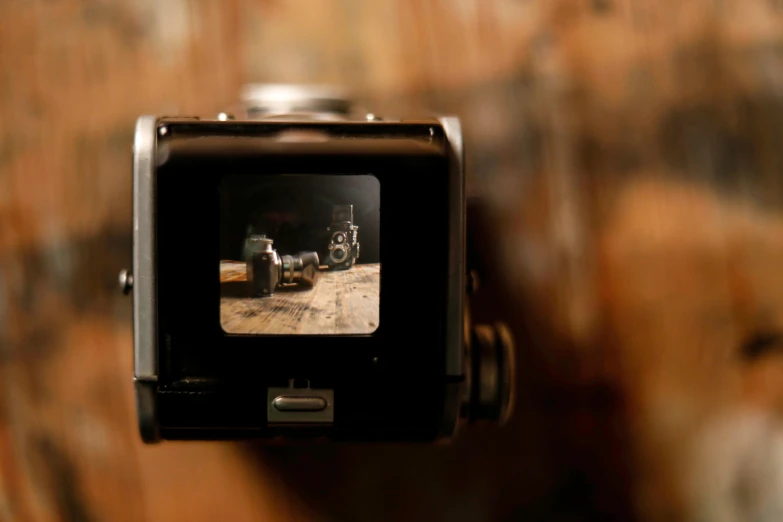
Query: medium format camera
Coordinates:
[266,269]
[241,342]
[344,239]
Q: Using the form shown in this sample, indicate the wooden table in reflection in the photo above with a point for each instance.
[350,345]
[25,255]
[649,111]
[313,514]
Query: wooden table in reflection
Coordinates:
[341,302]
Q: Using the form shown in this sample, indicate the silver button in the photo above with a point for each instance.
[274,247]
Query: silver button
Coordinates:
[299,406]
[126,281]
[288,403]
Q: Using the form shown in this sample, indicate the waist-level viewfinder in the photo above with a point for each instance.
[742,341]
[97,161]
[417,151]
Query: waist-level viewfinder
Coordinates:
[258,312]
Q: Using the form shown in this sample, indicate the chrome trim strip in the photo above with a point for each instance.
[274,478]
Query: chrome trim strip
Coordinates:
[145,343]
[456,286]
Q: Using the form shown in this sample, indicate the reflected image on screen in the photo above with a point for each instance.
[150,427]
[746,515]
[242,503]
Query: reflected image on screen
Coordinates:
[299,254]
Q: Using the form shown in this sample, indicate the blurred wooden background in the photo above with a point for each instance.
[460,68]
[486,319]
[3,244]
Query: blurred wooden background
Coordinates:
[629,155]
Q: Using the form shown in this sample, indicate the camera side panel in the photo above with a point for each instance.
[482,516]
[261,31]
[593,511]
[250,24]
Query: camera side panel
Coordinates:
[145,309]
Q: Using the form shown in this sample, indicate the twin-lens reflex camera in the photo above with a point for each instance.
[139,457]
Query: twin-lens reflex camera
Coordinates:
[344,240]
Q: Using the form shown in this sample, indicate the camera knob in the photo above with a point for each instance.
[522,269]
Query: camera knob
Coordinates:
[491,355]
[125,281]
[322,101]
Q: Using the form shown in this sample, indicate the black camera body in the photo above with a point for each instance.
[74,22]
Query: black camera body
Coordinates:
[332,360]
[344,239]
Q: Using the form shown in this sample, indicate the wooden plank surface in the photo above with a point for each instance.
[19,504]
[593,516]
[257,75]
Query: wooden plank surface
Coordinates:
[341,302]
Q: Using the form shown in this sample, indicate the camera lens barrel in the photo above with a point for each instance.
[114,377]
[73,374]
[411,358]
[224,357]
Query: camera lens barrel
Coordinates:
[301,269]
[289,265]
[339,253]
[310,258]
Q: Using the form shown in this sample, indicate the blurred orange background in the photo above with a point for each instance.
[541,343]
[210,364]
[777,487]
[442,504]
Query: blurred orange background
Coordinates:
[628,156]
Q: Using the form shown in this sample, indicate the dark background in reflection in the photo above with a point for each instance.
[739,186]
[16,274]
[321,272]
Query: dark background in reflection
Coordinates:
[295,212]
